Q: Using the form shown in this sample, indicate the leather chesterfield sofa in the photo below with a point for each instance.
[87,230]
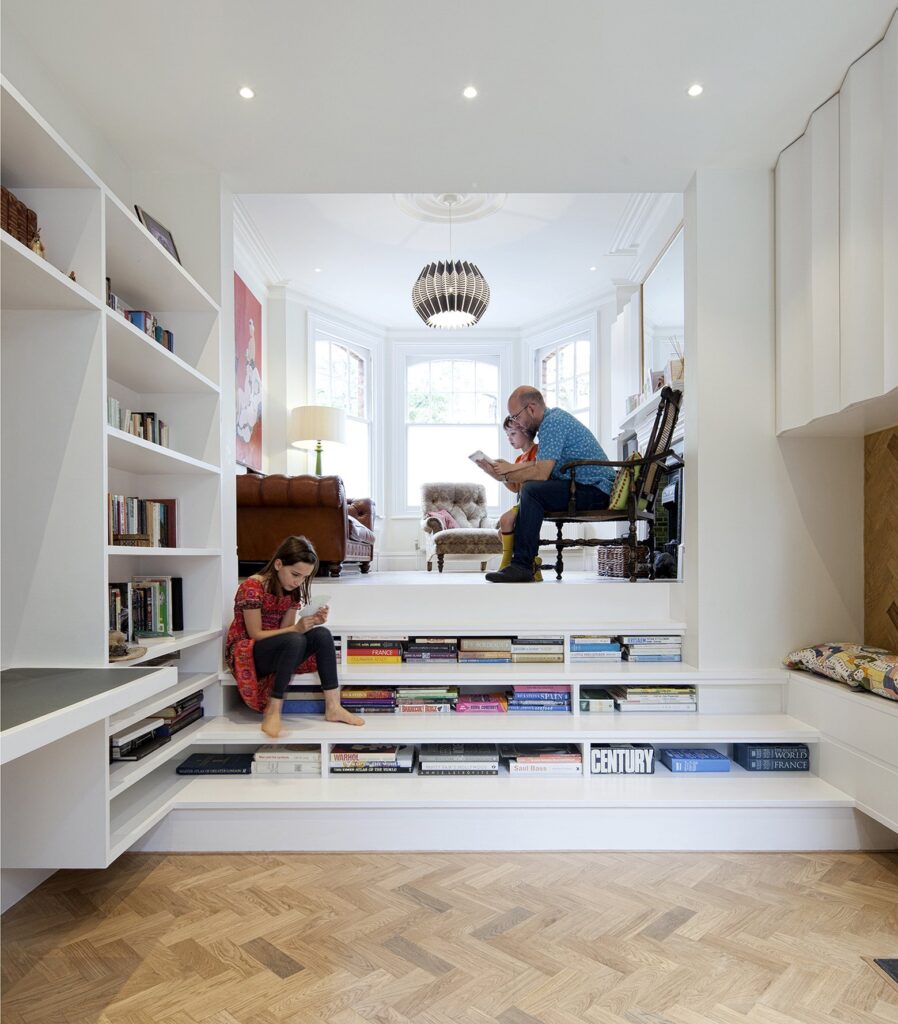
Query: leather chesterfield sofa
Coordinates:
[270,508]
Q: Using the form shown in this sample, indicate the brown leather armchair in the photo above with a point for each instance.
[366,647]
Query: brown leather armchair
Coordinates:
[270,508]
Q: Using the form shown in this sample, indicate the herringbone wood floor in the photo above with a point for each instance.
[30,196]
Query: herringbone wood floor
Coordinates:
[562,938]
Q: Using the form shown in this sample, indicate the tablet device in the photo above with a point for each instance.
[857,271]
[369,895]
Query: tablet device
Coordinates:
[314,605]
[478,456]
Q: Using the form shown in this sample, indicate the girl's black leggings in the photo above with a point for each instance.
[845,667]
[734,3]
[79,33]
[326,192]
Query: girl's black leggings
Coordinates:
[284,653]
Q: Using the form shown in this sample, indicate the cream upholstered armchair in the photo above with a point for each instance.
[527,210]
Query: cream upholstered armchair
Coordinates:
[455,524]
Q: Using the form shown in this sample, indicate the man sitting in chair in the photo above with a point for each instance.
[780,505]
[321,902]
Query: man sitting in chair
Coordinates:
[562,439]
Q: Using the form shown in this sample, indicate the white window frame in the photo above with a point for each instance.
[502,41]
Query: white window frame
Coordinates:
[583,328]
[425,348]
[370,347]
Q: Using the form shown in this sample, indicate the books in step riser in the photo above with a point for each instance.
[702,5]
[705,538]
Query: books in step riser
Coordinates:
[776,757]
[216,764]
[622,759]
[362,758]
[683,760]
[138,740]
[516,768]
[292,768]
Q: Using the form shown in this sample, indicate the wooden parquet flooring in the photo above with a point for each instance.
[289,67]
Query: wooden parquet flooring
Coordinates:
[561,938]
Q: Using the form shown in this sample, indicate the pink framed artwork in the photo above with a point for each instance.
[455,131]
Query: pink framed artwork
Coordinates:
[248,360]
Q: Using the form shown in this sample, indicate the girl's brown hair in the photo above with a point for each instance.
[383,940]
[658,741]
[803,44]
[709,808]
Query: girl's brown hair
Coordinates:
[290,551]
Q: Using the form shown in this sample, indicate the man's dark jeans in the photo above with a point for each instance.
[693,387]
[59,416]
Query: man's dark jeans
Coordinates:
[539,497]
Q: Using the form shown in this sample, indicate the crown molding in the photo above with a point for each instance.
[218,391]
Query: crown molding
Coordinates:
[642,215]
[568,314]
[252,247]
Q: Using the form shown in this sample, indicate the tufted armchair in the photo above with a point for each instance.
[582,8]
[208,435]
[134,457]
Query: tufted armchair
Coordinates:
[455,523]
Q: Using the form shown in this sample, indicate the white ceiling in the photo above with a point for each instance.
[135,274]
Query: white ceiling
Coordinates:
[535,251]
[365,95]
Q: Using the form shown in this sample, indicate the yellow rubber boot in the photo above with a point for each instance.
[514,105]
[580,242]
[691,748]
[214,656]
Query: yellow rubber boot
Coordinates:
[507,549]
[537,572]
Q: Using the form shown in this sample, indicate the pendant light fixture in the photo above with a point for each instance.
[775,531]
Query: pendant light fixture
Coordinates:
[450,293]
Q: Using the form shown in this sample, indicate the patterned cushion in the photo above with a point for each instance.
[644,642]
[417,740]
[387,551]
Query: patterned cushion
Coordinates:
[623,484]
[467,542]
[867,668]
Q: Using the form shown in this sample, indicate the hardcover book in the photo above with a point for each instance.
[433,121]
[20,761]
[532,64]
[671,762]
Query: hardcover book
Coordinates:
[623,759]
[682,760]
[216,764]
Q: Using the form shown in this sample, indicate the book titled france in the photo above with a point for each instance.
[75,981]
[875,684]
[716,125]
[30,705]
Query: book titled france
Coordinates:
[683,760]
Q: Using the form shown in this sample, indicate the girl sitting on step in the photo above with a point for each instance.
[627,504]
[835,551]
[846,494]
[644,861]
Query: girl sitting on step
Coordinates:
[523,441]
[267,643]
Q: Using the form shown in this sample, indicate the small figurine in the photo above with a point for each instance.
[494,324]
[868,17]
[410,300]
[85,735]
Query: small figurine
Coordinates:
[37,245]
[72,276]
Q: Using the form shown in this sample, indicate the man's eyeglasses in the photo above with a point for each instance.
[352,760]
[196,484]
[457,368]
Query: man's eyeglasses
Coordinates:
[514,419]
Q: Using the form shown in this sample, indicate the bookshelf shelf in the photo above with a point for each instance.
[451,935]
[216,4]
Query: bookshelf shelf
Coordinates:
[133,358]
[121,551]
[135,455]
[158,647]
[136,810]
[30,282]
[188,682]
[124,774]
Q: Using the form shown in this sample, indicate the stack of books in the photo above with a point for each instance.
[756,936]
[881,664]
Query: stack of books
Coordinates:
[152,518]
[182,713]
[652,647]
[374,650]
[426,699]
[595,699]
[138,740]
[540,697]
[431,650]
[303,699]
[293,759]
[682,760]
[538,649]
[623,759]
[543,759]
[369,700]
[772,757]
[147,606]
[484,650]
[217,764]
[653,698]
[472,703]
[371,759]
[591,647]
[458,759]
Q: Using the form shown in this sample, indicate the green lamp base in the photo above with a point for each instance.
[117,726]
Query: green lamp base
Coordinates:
[318,459]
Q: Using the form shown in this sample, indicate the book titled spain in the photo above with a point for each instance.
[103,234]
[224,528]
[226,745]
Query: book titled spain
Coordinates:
[217,764]
[683,760]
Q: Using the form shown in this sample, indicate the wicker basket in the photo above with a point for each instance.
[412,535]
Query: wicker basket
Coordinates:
[613,559]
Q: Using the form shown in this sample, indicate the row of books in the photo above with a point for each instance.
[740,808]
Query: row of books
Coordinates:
[147,735]
[147,606]
[440,650]
[142,522]
[146,425]
[662,699]
[141,318]
[526,760]
[639,647]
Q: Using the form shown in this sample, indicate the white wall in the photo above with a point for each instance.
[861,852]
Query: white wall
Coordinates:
[774,526]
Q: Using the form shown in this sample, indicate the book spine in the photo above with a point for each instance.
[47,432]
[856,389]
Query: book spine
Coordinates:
[460,771]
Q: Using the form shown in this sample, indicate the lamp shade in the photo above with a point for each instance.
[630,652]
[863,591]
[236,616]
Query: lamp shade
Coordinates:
[312,423]
[452,294]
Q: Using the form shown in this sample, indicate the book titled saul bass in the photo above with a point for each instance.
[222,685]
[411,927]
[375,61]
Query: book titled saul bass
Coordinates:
[623,759]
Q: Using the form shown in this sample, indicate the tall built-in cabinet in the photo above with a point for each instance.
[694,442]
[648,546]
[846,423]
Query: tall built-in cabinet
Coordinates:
[64,353]
[837,256]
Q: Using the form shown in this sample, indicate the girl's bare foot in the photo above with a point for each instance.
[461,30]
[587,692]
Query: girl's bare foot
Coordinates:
[271,718]
[340,714]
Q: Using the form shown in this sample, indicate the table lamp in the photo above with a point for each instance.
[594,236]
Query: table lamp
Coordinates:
[312,424]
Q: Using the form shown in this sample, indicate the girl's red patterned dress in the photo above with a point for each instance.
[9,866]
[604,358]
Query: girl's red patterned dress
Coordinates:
[239,646]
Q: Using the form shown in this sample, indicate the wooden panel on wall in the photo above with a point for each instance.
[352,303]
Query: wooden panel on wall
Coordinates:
[861,228]
[881,539]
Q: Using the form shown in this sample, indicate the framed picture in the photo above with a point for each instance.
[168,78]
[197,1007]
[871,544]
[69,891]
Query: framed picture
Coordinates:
[160,233]
[248,366]
[657,380]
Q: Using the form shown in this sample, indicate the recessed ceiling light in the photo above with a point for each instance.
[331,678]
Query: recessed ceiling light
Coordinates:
[246,92]
[695,90]
[593,268]
[317,270]
[469,93]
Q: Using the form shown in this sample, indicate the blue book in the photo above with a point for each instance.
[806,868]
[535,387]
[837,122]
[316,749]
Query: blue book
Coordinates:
[553,695]
[564,708]
[303,707]
[682,760]
[217,764]
[594,647]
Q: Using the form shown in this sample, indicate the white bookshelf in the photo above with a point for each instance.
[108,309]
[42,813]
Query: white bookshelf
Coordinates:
[64,353]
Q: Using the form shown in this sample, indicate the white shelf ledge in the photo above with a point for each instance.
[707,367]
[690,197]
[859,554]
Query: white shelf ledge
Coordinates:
[139,808]
[243,727]
[133,358]
[645,409]
[30,282]
[142,272]
[159,646]
[135,455]
[124,774]
[188,683]
[129,551]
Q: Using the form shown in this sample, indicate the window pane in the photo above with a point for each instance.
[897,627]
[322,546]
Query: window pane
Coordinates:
[322,358]
[441,453]
[417,377]
[549,367]
[488,378]
[583,390]
[566,361]
[463,409]
[441,377]
[339,363]
[350,460]
[582,357]
[583,417]
[486,407]
[463,375]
